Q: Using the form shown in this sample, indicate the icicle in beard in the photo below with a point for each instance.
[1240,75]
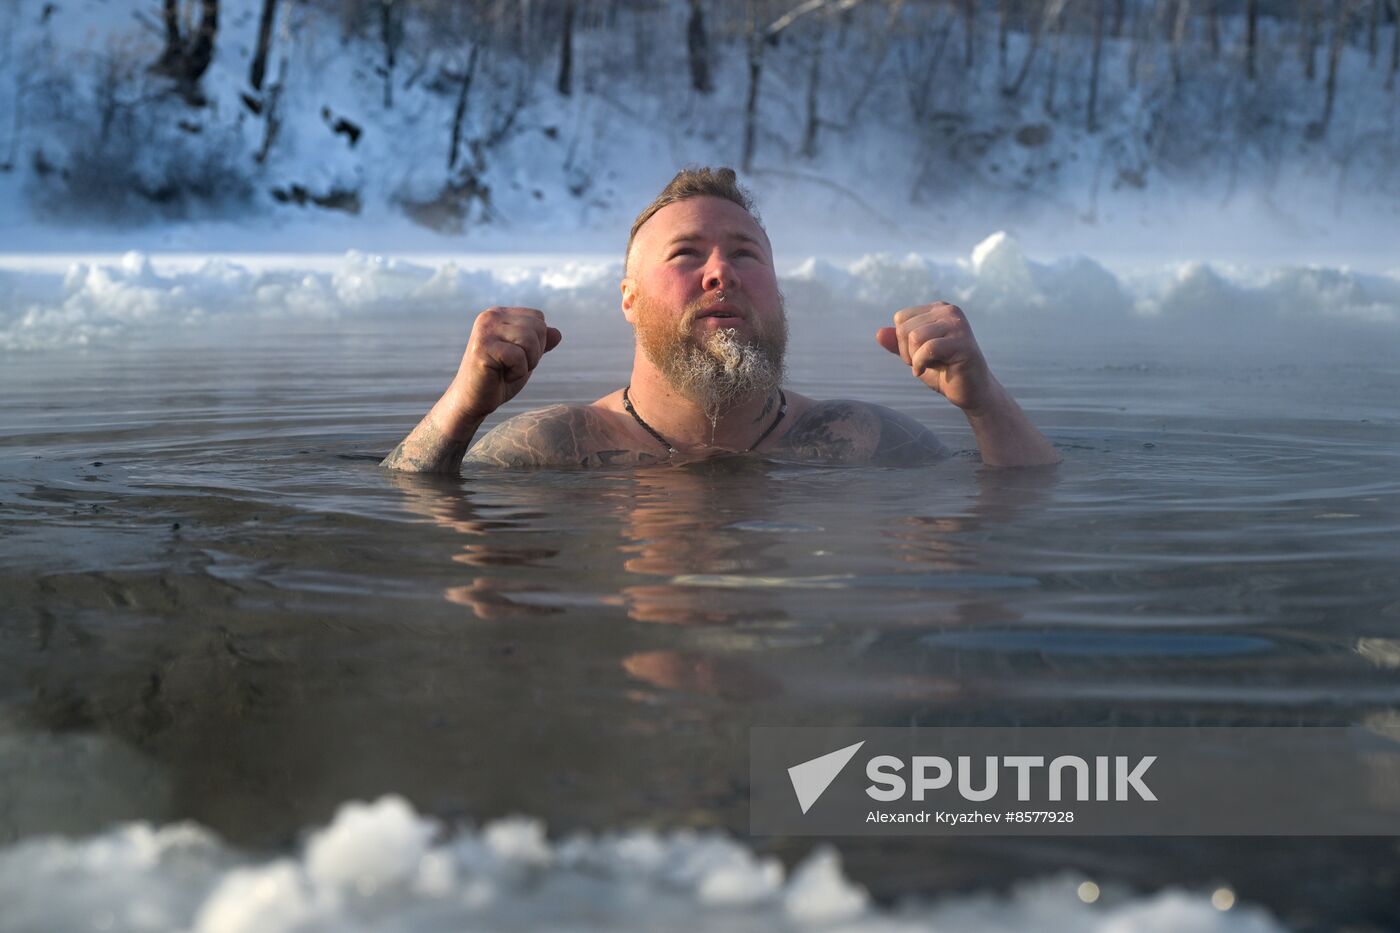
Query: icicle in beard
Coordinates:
[721,369]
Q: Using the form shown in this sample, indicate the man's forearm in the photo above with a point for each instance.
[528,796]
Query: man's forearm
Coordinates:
[1005,435]
[437,444]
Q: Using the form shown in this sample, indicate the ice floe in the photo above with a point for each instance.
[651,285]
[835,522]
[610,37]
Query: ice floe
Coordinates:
[137,297]
[382,866]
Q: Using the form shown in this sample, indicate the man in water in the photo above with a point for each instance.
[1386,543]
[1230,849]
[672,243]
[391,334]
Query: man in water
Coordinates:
[699,289]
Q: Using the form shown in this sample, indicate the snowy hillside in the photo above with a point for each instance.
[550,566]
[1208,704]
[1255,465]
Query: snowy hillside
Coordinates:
[433,125]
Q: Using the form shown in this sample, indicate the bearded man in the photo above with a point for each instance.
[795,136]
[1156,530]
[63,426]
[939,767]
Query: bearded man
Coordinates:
[700,291]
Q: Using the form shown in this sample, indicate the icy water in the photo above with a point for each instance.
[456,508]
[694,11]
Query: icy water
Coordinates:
[218,608]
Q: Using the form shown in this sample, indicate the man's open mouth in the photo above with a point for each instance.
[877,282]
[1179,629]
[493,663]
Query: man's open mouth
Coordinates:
[721,311]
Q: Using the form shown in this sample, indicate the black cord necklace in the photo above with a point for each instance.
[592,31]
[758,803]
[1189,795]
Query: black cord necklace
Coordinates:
[627,404]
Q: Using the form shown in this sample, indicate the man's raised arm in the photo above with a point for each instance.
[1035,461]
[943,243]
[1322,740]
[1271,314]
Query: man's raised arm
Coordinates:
[505,347]
[937,344]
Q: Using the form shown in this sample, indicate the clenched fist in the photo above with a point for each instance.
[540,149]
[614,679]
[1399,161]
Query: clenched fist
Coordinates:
[505,347]
[936,342]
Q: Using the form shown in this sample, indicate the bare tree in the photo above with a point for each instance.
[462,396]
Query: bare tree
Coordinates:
[759,36]
[969,30]
[1307,36]
[258,68]
[1052,78]
[755,50]
[1100,15]
[1138,39]
[920,61]
[875,68]
[391,36]
[17,102]
[1051,15]
[1178,37]
[185,58]
[1003,15]
[1251,36]
[270,107]
[565,84]
[641,41]
[813,121]
[1372,38]
[1394,47]
[697,43]
[1340,16]
[459,110]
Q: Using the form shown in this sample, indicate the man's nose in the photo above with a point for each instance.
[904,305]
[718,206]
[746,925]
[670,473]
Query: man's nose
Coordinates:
[719,274]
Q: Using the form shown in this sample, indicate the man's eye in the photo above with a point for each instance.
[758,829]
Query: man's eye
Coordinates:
[748,253]
[683,251]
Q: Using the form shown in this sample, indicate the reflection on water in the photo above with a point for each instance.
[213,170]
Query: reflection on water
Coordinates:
[224,595]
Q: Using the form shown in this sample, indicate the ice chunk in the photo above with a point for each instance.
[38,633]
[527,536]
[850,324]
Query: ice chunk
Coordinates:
[820,893]
[377,866]
[268,899]
[369,846]
[139,298]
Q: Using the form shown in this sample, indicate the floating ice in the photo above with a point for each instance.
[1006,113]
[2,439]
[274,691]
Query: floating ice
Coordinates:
[820,894]
[382,866]
[136,298]
[369,846]
[999,262]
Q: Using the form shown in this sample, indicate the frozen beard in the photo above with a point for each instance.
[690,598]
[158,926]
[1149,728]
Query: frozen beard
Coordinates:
[720,369]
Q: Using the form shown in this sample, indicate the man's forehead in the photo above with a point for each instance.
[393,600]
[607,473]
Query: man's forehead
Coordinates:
[700,218]
[713,233]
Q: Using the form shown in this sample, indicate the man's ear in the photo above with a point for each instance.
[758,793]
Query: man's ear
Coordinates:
[629,297]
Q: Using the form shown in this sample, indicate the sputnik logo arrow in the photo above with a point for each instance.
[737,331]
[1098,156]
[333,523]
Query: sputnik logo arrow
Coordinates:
[811,778]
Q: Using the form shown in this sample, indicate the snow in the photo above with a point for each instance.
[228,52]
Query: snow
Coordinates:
[369,847]
[135,297]
[819,894]
[382,866]
[930,160]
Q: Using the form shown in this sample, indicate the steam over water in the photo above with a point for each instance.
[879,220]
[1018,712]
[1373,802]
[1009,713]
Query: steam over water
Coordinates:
[218,609]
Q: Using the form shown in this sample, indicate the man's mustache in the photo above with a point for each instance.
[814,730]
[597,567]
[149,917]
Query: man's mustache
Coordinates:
[740,307]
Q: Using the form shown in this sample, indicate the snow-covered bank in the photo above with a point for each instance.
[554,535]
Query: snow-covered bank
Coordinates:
[875,130]
[381,866]
[55,302]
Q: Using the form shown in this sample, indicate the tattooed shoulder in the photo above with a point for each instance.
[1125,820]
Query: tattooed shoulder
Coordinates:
[845,431]
[557,436]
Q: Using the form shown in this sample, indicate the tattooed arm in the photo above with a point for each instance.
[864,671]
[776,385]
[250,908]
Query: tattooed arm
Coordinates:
[505,347]
[429,449]
[842,431]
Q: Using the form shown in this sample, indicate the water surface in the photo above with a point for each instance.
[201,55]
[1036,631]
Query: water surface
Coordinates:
[218,607]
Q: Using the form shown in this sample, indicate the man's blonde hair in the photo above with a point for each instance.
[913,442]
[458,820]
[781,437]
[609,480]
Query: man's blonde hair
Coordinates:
[698,182]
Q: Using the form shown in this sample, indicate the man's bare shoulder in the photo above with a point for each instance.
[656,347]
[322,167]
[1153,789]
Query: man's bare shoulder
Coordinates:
[558,436]
[850,431]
